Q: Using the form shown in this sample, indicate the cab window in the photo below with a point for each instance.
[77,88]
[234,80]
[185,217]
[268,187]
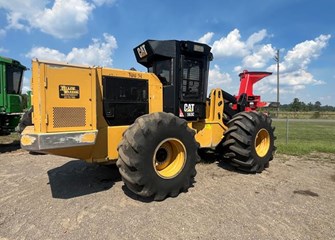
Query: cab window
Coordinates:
[13,79]
[163,70]
[192,79]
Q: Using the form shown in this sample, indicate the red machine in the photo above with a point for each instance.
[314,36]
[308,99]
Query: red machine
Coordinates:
[245,100]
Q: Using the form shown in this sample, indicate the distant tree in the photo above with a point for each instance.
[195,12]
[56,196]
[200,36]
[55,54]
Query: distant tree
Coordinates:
[296,105]
[285,107]
[328,108]
[310,106]
[317,106]
[303,106]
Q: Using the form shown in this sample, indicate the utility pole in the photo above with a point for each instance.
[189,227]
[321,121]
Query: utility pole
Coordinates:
[277,60]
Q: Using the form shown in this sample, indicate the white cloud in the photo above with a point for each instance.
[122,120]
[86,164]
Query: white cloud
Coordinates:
[207,38]
[260,57]
[238,69]
[46,54]
[295,78]
[305,51]
[24,7]
[230,46]
[302,54]
[97,53]
[255,54]
[290,83]
[64,19]
[256,38]
[20,12]
[218,79]
[294,74]
[14,21]
[263,87]
[102,2]
[26,84]
[233,46]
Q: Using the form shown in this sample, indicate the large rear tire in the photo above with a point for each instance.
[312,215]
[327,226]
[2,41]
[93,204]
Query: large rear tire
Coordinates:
[249,142]
[157,156]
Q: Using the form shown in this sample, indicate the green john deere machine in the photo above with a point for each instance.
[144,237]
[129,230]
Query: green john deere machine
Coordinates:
[11,106]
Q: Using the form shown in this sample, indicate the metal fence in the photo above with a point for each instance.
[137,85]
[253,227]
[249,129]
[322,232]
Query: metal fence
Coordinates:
[313,115]
[304,130]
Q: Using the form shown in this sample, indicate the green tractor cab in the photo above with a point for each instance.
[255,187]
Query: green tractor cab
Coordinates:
[11,107]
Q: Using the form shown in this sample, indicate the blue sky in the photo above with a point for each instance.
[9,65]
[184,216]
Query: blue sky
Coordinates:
[243,35]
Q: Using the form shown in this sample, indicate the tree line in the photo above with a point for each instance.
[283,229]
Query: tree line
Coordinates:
[300,106]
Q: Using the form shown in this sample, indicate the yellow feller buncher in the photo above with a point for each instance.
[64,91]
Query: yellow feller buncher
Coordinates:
[152,124]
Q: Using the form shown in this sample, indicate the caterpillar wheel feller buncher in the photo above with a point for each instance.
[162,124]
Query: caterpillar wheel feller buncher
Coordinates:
[150,124]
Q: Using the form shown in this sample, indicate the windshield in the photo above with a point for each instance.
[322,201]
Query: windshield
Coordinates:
[14,79]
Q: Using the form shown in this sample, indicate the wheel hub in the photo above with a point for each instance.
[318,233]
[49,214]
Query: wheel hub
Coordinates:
[161,155]
[169,158]
[262,142]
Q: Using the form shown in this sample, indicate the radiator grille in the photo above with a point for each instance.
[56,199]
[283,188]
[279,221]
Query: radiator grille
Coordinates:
[69,117]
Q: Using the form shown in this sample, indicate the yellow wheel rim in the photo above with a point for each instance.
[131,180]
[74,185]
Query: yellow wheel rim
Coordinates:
[169,158]
[262,143]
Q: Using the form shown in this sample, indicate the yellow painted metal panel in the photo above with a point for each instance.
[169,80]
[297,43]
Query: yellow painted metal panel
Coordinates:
[69,98]
[113,135]
[210,132]
[38,100]
[114,139]
[83,152]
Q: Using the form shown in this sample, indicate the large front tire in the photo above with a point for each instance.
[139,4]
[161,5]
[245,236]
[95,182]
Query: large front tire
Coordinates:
[157,156]
[249,142]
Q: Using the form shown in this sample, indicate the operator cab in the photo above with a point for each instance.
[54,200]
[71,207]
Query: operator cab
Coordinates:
[182,67]
[13,75]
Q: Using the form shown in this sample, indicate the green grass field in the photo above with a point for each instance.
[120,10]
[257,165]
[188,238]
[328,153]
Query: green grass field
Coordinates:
[305,137]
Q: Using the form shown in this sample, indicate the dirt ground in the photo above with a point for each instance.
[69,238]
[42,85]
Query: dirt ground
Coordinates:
[50,197]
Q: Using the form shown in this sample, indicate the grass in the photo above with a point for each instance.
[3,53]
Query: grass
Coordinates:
[305,137]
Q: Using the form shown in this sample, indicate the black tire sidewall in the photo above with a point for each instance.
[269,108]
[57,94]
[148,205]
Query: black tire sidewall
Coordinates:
[138,147]
[147,156]
[240,141]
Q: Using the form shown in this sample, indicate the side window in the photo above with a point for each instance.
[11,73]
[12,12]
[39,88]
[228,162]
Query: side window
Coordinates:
[163,70]
[13,79]
[192,79]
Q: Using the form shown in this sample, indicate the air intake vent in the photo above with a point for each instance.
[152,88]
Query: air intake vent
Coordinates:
[69,117]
